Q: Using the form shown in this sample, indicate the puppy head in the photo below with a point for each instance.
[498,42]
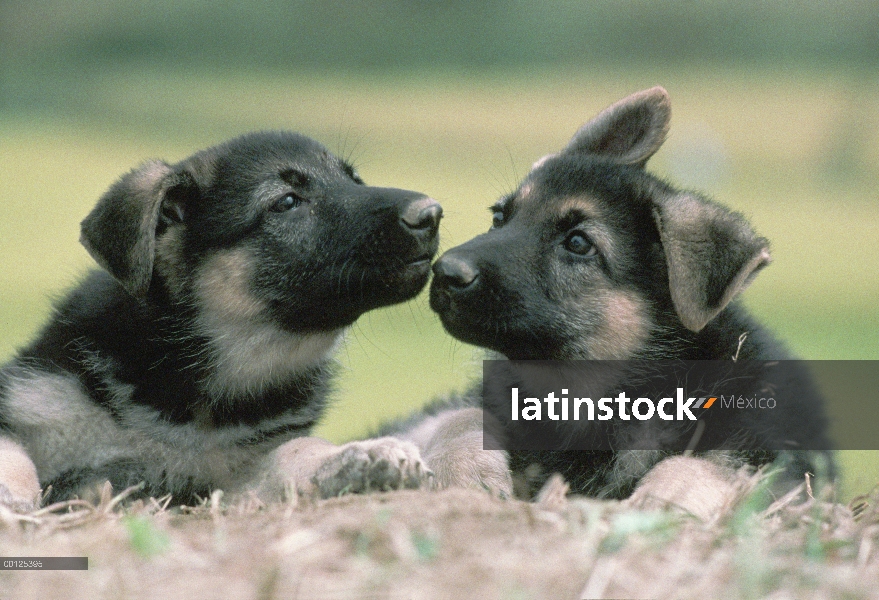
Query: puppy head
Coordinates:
[591,253]
[273,220]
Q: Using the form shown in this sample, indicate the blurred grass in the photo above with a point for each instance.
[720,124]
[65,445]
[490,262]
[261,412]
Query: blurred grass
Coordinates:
[396,34]
[796,151]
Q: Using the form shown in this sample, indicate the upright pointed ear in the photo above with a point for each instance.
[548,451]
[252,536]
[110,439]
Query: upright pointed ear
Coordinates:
[712,255]
[120,232]
[628,132]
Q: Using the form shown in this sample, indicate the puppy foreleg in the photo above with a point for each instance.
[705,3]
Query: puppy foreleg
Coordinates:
[19,485]
[452,444]
[313,466]
[702,488]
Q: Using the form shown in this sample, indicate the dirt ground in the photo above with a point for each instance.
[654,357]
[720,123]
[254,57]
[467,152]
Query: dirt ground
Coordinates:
[447,544]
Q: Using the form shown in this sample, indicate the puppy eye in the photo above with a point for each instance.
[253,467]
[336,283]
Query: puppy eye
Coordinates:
[286,202]
[497,219]
[577,243]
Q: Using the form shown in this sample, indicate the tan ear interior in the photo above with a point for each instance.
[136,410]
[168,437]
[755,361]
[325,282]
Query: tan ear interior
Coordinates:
[629,131]
[119,232]
[696,236]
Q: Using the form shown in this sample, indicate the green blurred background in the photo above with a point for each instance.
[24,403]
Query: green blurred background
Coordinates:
[775,114]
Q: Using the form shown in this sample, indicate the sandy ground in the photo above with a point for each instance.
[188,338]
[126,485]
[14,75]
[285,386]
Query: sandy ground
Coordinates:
[447,544]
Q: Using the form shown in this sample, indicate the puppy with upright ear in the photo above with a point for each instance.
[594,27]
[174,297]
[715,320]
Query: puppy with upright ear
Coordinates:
[628,132]
[200,356]
[594,258]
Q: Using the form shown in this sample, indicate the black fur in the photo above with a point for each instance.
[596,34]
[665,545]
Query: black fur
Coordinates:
[594,258]
[228,278]
[102,334]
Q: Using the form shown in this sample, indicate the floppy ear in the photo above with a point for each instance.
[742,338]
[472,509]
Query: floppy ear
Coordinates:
[712,255]
[628,132]
[120,232]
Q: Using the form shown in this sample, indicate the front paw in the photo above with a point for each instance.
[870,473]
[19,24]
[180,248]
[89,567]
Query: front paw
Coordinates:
[372,465]
[690,485]
[453,443]
[19,486]
[462,462]
[21,501]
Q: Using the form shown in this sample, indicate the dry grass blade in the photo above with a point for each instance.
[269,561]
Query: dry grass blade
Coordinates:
[109,504]
[65,505]
[452,543]
[785,500]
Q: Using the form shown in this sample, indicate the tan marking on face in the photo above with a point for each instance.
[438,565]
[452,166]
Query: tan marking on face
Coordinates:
[250,351]
[625,328]
[270,190]
[582,204]
[592,224]
[223,287]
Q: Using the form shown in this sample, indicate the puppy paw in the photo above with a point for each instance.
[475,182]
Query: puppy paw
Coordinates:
[372,465]
[19,485]
[461,462]
[694,486]
[19,502]
[452,443]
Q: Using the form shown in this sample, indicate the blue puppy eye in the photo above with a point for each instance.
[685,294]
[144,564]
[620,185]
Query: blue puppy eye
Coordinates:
[287,202]
[577,243]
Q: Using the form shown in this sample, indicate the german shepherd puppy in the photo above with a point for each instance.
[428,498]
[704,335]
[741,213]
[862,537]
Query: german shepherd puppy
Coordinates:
[200,356]
[594,258]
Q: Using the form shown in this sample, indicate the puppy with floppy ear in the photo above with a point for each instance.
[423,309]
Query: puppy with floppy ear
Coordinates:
[200,357]
[594,258]
[120,232]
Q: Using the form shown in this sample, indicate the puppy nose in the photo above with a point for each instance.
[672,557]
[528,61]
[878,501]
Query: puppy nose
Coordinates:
[422,214]
[454,273]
